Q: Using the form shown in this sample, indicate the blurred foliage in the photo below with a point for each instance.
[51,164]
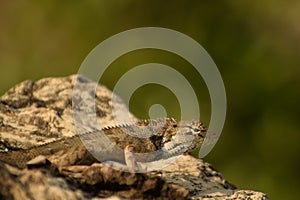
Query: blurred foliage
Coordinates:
[255,45]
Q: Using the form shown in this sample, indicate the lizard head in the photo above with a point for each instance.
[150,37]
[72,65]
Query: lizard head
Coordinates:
[196,129]
[183,135]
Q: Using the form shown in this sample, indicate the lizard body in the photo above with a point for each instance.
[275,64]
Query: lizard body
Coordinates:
[142,137]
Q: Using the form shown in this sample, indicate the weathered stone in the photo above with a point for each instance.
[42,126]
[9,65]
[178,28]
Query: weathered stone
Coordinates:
[35,113]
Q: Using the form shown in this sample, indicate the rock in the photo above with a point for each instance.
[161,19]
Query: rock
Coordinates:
[35,113]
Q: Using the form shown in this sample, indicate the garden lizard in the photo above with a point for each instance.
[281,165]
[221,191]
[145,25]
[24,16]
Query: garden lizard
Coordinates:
[171,137]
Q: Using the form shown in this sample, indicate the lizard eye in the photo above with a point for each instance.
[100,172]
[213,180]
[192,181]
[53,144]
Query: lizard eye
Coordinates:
[196,130]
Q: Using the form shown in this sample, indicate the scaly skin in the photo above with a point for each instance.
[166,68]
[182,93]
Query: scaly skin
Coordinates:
[173,137]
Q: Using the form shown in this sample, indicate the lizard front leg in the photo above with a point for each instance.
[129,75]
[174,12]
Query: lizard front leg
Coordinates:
[131,161]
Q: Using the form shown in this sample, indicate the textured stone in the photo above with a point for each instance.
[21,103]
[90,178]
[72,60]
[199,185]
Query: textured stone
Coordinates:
[35,113]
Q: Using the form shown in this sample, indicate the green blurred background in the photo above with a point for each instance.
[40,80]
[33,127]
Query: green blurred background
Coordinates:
[255,45]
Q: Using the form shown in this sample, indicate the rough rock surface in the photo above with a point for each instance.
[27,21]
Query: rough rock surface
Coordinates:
[35,113]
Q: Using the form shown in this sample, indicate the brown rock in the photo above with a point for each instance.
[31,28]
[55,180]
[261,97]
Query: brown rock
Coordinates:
[35,113]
